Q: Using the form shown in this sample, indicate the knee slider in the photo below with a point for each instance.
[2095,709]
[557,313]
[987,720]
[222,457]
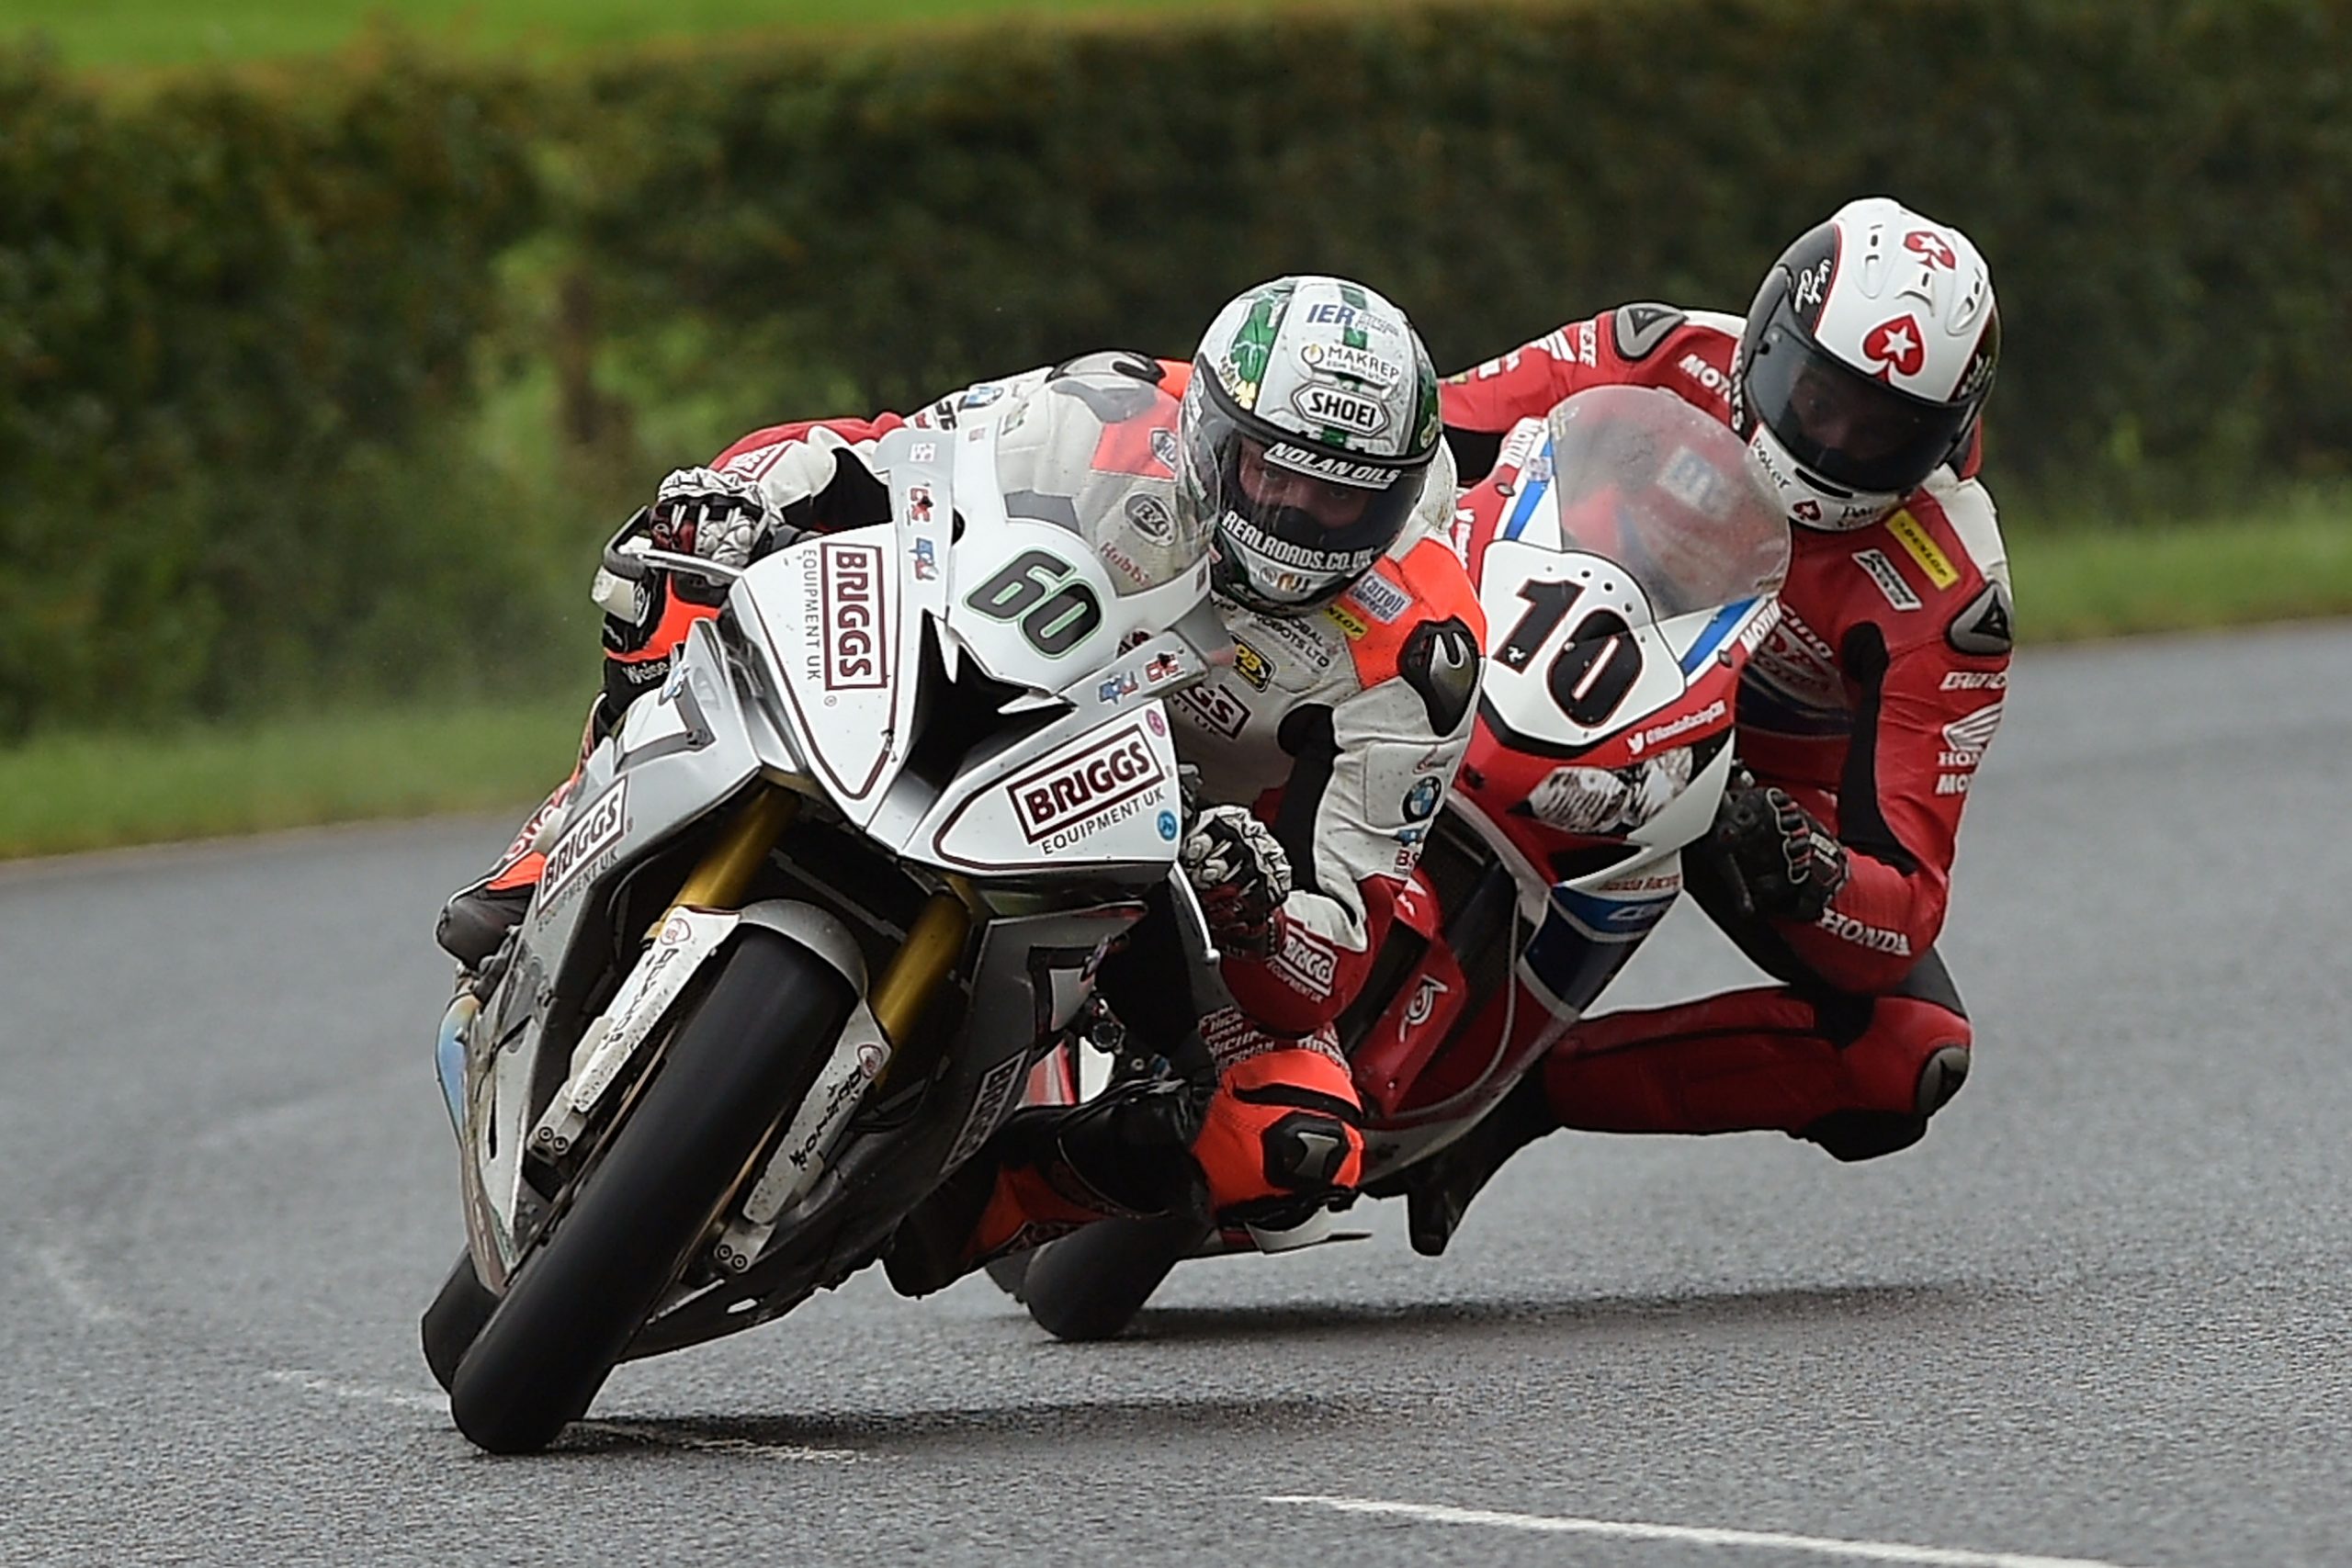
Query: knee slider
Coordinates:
[1852,1136]
[1941,1078]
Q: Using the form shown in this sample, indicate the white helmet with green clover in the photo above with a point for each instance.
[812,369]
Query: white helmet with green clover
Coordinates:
[1306,438]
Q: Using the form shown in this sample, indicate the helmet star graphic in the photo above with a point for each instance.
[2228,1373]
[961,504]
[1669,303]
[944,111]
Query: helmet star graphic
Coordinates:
[1897,343]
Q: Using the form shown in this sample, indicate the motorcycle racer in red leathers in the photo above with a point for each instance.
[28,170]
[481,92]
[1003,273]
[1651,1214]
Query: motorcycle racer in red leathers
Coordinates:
[1304,444]
[1858,380]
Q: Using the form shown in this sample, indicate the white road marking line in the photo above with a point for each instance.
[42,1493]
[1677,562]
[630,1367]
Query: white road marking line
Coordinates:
[636,1431]
[1691,1535]
[67,1272]
[364,1393]
[750,1446]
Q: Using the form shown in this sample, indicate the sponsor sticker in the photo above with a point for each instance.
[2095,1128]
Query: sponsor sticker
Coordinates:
[1340,408]
[848,611]
[1877,939]
[1889,581]
[1251,665]
[1421,801]
[1639,740]
[1361,364]
[1214,709]
[988,1100]
[1067,802]
[1416,1013]
[1306,962]
[1347,622]
[1706,375]
[926,561]
[1922,549]
[602,823]
[1973,733]
[1379,598]
[1338,470]
[1148,516]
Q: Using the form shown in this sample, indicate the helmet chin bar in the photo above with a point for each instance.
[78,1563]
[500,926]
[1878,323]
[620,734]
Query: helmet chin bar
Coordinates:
[1811,502]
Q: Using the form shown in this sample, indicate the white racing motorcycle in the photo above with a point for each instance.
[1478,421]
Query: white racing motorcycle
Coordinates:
[1627,565]
[821,903]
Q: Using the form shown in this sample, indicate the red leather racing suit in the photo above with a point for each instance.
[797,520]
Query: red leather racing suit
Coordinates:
[1873,704]
[1340,730]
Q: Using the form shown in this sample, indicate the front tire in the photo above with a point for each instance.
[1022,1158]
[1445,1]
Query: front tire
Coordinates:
[739,1064]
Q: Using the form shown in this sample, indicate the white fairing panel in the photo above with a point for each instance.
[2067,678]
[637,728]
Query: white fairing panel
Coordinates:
[1031,597]
[832,611]
[1107,797]
[1518,585]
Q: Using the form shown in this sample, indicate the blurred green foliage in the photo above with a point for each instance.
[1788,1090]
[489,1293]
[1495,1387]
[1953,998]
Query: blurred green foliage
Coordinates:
[309,387]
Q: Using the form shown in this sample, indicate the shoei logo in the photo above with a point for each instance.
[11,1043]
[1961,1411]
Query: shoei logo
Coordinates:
[1068,801]
[849,610]
[1340,409]
[598,830]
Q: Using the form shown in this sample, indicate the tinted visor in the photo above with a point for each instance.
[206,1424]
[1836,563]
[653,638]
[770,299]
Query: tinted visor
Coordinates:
[1856,432]
[1300,522]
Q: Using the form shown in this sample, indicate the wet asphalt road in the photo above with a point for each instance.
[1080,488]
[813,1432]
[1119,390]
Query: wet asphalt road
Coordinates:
[2099,1314]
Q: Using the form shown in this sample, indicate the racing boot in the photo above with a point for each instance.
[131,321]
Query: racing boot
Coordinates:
[1438,1191]
[479,916]
[1050,1171]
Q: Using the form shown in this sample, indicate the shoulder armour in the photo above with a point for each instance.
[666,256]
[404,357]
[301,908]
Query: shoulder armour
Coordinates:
[1113,362]
[1982,627]
[1440,663]
[1639,329]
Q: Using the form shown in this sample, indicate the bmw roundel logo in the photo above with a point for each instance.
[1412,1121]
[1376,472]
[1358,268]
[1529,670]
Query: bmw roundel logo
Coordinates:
[1167,825]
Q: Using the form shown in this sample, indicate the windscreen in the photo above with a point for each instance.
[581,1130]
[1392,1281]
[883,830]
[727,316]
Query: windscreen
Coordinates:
[1648,481]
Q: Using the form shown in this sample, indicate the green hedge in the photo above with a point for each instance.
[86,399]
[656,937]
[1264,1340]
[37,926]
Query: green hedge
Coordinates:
[244,328]
[233,322]
[2163,189]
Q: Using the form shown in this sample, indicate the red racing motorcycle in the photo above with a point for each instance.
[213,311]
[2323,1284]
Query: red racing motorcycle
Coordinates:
[1626,565]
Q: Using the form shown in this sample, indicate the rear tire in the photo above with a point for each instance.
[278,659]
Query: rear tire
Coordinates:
[1090,1284]
[738,1066]
[454,1321]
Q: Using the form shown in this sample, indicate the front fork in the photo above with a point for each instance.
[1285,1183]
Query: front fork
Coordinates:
[915,971]
[718,882]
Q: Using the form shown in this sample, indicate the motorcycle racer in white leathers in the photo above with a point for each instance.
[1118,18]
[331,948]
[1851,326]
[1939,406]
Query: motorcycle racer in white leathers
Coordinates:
[1302,443]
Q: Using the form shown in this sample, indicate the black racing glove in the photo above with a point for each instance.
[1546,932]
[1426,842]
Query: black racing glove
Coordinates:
[1782,864]
[1236,865]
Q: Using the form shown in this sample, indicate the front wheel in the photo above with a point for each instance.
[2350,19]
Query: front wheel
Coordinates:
[739,1064]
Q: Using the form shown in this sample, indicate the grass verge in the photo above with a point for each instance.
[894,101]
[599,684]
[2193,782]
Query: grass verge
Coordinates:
[84,792]
[66,793]
[139,33]
[2073,584]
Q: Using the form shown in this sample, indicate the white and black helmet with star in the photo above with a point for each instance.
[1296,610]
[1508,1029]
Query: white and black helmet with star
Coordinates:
[1865,364]
[1306,438]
